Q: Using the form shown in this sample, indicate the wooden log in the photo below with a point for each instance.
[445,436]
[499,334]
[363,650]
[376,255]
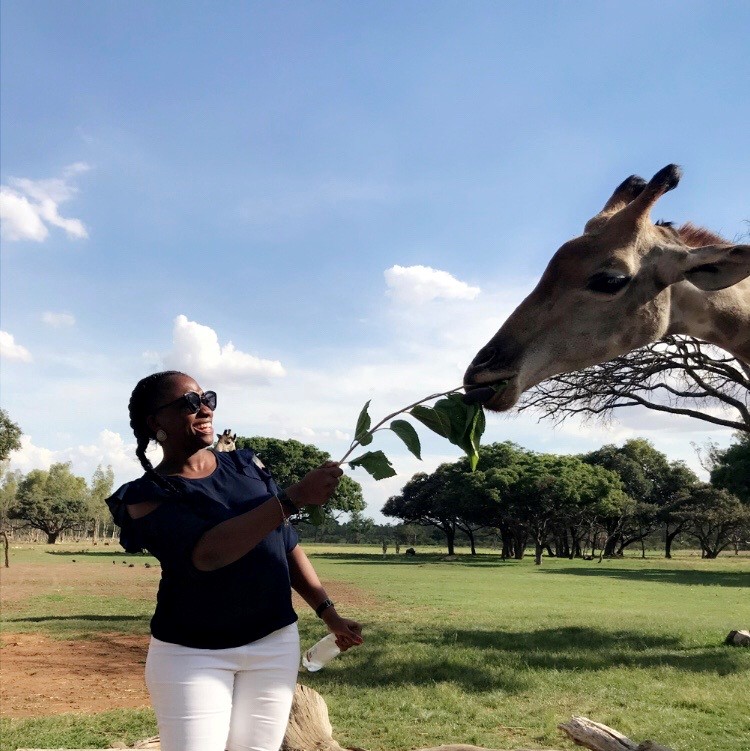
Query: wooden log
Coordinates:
[598,737]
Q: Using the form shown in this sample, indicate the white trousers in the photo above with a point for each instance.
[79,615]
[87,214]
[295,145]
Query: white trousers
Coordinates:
[236,699]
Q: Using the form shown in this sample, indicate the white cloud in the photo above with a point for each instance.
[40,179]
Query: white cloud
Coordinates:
[27,207]
[110,449]
[420,284]
[76,169]
[197,351]
[310,435]
[19,220]
[9,350]
[58,320]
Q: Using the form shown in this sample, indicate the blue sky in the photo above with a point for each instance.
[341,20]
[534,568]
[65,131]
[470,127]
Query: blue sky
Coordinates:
[223,186]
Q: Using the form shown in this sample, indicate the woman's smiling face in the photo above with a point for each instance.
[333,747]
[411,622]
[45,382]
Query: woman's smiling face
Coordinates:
[185,429]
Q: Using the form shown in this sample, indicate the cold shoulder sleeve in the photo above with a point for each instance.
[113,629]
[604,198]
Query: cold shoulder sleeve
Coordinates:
[169,532]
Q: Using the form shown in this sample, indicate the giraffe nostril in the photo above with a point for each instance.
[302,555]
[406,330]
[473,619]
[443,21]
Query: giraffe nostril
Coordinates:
[484,357]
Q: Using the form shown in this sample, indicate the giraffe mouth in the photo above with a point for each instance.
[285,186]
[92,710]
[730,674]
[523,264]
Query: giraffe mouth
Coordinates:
[485,394]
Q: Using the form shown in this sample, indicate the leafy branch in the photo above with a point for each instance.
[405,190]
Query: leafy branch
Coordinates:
[461,421]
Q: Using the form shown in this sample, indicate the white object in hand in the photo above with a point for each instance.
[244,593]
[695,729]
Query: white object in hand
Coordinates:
[320,654]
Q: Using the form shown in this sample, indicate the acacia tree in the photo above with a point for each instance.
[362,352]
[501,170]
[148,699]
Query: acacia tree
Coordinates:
[678,375]
[52,501]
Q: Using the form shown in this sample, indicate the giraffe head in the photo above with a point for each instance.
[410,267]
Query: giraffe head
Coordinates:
[604,293]
[225,441]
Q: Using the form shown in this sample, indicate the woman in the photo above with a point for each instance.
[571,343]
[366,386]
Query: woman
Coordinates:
[222,662]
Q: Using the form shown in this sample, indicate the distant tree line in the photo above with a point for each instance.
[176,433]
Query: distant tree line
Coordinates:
[600,503]
[577,506]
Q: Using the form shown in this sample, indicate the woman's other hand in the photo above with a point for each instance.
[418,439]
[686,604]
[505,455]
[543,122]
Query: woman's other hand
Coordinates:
[348,632]
[317,486]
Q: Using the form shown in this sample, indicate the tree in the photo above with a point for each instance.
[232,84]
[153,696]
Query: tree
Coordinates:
[422,501]
[677,487]
[497,471]
[10,436]
[678,375]
[715,517]
[655,485]
[291,460]
[731,468]
[550,491]
[52,501]
[101,488]
[451,499]
[359,527]
[8,491]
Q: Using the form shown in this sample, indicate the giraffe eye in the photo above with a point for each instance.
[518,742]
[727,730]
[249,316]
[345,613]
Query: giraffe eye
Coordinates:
[608,282]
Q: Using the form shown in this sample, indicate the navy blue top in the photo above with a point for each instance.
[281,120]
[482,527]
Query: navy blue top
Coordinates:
[233,605]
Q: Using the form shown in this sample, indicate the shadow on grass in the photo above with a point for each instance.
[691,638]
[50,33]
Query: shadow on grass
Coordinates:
[480,560]
[660,575]
[73,626]
[88,618]
[513,661]
[113,553]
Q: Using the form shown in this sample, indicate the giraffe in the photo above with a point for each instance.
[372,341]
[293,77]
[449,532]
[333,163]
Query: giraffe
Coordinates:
[225,441]
[624,283]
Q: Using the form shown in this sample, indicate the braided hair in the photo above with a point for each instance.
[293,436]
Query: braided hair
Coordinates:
[143,400]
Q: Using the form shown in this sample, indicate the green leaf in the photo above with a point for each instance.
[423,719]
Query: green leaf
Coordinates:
[361,434]
[315,515]
[376,463]
[458,414]
[478,427]
[474,434]
[433,419]
[405,431]
[467,424]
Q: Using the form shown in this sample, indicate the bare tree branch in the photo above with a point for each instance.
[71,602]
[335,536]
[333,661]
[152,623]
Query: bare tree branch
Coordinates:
[678,375]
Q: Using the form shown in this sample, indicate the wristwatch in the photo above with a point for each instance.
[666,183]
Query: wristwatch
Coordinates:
[286,502]
[327,603]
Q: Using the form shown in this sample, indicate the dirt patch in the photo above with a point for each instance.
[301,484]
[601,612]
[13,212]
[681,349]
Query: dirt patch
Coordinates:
[44,676]
[125,577]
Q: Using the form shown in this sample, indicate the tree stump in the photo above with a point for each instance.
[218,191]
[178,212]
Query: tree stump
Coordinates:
[309,727]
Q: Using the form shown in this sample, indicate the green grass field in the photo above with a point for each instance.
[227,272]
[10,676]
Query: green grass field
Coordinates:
[478,650]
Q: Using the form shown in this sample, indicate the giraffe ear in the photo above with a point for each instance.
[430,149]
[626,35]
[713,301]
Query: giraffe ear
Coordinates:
[715,267]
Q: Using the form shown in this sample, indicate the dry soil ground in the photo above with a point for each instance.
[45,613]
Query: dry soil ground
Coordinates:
[44,675]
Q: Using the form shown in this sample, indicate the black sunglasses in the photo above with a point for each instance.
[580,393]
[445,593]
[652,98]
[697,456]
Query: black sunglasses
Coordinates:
[192,401]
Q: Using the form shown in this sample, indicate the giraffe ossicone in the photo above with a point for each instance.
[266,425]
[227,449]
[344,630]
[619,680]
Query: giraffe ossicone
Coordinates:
[624,283]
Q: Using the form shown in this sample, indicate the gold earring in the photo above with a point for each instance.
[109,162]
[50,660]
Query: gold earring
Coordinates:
[161,435]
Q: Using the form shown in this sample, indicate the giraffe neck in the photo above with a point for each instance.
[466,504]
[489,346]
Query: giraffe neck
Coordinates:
[721,318]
